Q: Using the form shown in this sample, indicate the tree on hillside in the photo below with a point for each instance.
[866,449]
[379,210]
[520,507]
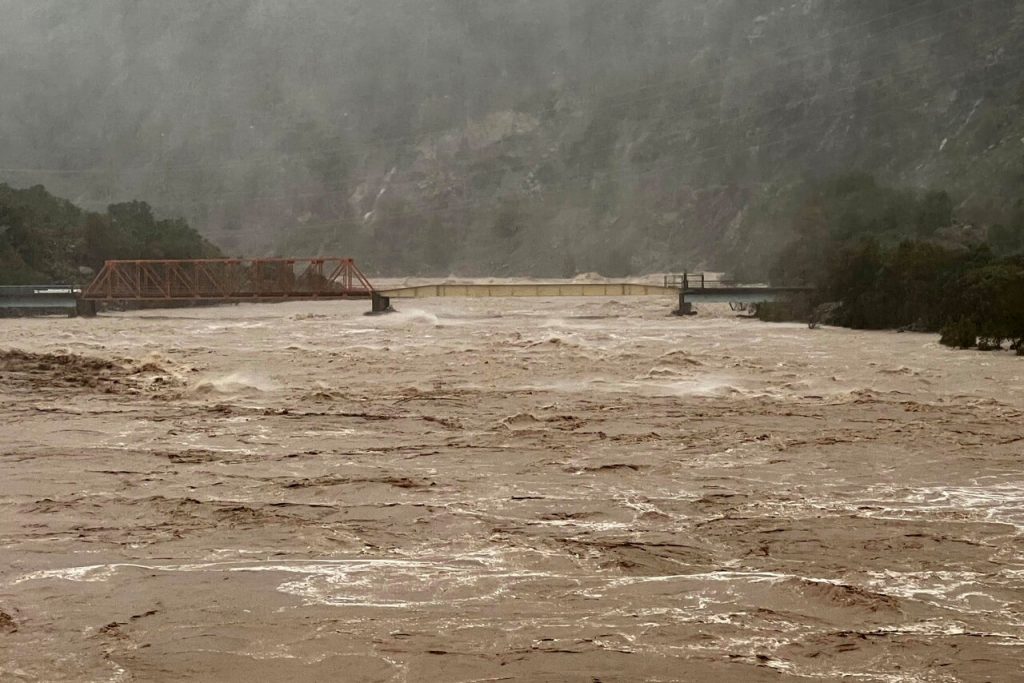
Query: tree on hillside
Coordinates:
[44,238]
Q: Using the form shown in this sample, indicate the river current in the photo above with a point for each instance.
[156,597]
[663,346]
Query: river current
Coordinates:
[483,490]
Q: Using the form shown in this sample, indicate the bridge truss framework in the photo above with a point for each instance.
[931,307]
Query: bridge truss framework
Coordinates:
[229,280]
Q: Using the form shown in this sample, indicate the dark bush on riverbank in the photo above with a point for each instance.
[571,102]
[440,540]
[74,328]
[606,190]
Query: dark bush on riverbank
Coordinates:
[794,308]
[900,260]
[974,299]
[963,334]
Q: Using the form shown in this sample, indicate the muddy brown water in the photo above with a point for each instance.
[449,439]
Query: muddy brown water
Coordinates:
[490,490]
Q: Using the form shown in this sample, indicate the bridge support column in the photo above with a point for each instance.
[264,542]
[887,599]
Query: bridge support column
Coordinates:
[685,307]
[85,308]
[380,304]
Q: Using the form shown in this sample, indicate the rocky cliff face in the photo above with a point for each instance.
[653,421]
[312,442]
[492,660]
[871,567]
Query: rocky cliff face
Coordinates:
[514,136]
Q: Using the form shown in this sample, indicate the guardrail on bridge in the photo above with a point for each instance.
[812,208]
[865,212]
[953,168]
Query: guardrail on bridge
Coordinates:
[35,300]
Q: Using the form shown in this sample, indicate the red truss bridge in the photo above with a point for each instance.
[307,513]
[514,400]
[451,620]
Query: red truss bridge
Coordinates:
[278,279]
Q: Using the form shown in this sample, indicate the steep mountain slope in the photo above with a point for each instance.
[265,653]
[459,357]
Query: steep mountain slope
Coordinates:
[510,136]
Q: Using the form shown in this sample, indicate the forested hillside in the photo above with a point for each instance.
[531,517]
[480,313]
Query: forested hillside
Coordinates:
[48,240]
[542,137]
[896,258]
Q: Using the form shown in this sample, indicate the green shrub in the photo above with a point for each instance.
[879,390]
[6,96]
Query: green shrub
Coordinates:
[962,334]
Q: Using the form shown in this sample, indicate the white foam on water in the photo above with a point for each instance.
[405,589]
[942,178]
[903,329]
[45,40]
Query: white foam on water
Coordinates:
[1002,502]
[726,576]
[410,317]
[959,591]
[103,572]
[405,583]
[709,385]
[333,432]
[238,382]
[90,573]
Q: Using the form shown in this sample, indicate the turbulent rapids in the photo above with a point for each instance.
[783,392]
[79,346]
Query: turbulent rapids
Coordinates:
[498,489]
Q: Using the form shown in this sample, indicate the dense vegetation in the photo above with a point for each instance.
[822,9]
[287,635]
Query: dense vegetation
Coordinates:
[898,259]
[510,136]
[45,239]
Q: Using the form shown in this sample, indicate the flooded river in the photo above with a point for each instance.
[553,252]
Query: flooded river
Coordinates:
[491,490]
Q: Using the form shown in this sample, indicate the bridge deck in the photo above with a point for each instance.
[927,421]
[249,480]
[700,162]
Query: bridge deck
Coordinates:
[528,290]
[746,295]
[717,293]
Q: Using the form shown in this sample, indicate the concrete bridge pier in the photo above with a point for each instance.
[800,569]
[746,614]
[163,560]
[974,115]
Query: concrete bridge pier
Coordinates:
[685,307]
[85,308]
[380,304]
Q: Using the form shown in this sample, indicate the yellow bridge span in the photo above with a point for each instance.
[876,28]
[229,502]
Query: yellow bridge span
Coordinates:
[529,289]
[718,292]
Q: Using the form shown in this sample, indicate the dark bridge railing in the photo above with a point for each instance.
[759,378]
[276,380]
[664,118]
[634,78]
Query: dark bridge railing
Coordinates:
[689,281]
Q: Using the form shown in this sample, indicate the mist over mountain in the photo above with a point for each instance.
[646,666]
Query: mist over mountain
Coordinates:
[543,137]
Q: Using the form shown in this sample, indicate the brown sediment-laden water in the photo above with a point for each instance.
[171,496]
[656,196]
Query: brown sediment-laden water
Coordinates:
[490,490]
